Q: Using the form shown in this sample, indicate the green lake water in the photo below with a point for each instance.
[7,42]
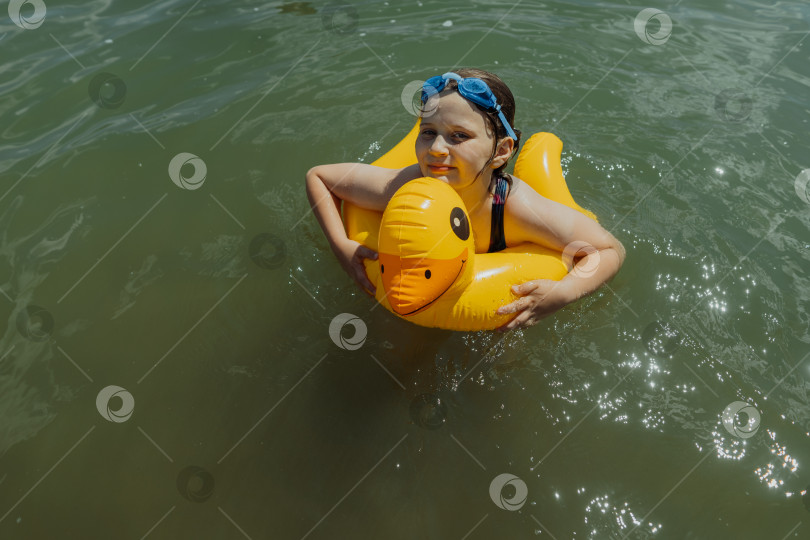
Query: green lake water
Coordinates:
[167,369]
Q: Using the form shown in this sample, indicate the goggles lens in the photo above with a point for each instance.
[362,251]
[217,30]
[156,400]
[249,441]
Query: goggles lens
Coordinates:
[476,86]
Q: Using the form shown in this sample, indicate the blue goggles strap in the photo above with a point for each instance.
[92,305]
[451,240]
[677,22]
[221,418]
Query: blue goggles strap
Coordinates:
[473,89]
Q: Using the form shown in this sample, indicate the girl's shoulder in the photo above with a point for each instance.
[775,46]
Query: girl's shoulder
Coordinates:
[523,203]
[523,193]
[515,185]
[412,172]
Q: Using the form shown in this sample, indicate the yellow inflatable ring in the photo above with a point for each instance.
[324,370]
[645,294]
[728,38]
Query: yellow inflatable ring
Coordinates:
[427,271]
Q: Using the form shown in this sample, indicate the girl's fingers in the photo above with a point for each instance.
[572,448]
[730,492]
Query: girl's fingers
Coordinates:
[366,284]
[509,326]
[363,281]
[514,307]
[519,322]
[525,288]
[503,310]
[366,253]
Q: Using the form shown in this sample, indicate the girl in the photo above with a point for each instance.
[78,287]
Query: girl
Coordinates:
[466,139]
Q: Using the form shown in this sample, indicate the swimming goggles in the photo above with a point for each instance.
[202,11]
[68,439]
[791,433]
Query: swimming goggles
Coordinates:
[473,89]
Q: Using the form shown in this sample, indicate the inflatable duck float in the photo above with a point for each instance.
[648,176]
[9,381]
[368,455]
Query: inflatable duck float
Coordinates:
[427,271]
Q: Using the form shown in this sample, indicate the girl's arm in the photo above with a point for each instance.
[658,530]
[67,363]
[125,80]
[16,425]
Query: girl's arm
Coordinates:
[595,253]
[366,186]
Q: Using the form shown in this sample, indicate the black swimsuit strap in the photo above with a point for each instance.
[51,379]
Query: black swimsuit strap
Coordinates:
[497,239]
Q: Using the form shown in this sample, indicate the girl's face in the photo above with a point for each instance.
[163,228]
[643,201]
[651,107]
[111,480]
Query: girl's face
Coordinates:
[454,142]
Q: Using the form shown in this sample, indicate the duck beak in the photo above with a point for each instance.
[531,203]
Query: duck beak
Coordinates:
[412,284]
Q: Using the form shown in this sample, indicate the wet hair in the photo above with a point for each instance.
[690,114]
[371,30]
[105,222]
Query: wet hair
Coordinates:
[507,102]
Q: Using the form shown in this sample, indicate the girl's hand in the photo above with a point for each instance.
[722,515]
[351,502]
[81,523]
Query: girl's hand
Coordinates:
[351,254]
[539,298]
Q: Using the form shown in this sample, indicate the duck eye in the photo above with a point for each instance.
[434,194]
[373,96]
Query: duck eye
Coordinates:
[459,223]
[382,268]
[427,274]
